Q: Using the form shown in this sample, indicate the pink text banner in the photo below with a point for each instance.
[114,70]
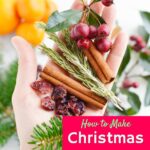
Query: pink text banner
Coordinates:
[94,133]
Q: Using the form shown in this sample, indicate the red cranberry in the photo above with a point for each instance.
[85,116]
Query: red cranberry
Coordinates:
[59,93]
[143,45]
[42,87]
[139,46]
[93,32]
[84,43]
[81,30]
[47,103]
[73,34]
[107,3]
[127,84]
[76,106]
[103,45]
[136,38]
[103,30]
[62,110]
[135,84]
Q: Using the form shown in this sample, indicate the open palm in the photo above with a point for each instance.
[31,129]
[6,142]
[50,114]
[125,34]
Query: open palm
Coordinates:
[26,103]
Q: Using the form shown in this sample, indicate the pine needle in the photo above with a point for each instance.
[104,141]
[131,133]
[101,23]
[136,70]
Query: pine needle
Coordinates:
[48,136]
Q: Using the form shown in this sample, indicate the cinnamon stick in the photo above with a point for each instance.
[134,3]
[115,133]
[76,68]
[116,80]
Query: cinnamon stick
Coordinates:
[95,66]
[71,90]
[72,83]
[103,66]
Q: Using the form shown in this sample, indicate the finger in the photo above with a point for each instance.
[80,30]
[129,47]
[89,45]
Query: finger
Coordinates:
[77,5]
[27,68]
[98,8]
[118,49]
[109,15]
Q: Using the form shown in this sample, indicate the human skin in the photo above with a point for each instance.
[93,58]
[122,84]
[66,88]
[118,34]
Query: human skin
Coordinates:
[26,103]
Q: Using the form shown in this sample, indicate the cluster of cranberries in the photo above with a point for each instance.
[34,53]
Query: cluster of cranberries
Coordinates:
[139,43]
[128,84]
[85,35]
[57,98]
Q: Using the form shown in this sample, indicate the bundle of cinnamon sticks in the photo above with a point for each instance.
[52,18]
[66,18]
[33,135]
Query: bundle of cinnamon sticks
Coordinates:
[73,87]
[100,66]
[53,74]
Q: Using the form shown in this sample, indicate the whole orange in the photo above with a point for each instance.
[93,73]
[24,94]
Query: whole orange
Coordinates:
[31,10]
[31,33]
[51,6]
[8,16]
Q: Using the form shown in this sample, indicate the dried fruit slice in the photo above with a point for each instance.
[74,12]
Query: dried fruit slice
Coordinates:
[42,87]
[59,93]
[76,106]
[47,103]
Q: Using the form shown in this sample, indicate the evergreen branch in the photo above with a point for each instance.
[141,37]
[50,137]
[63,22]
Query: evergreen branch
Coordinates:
[48,136]
[7,84]
[7,129]
[76,68]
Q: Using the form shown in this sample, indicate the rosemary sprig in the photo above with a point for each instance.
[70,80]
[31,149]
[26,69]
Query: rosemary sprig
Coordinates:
[71,45]
[76,67]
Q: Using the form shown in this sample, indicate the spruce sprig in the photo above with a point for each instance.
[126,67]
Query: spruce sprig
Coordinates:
[75,66]
[48,136]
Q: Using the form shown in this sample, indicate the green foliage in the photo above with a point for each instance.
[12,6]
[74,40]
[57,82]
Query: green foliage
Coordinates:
[144,58]
[145,61]
[94,19]
[96,1]
[125,61]
[143,33]
[147,95]
[59,21]
[134,101]
[146,20]
[7,84]
[48,136]
[7,129]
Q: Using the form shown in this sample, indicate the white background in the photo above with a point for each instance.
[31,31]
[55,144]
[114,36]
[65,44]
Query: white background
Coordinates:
[128,18]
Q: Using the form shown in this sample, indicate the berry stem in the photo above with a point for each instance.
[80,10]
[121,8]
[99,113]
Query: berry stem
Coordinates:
[92,2]
[83,2]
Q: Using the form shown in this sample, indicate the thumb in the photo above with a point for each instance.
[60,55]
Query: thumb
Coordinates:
[27,68]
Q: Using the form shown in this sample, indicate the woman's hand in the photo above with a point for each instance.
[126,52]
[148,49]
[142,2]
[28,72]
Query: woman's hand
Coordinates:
[26,103]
